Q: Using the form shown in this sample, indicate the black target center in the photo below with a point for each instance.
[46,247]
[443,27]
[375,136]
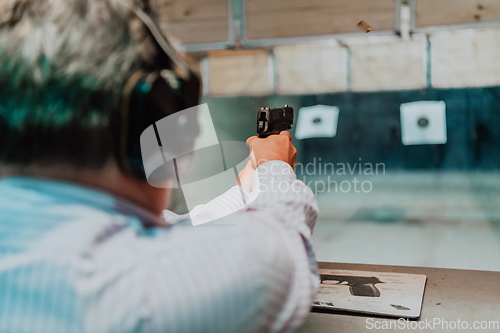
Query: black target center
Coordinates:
[423,122]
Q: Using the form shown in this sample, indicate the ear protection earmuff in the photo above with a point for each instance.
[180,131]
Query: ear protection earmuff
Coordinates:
[150,96]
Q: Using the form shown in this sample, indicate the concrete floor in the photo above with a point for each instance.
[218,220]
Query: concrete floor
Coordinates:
[447,220]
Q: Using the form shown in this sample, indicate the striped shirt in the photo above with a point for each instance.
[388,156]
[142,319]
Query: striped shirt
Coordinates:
[74,259]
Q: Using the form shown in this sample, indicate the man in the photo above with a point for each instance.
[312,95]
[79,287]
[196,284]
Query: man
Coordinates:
[85,246]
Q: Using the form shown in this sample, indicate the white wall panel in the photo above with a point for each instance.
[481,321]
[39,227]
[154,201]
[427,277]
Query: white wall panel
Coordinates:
[240,73]
[388,65]
[468,58]
[311,68]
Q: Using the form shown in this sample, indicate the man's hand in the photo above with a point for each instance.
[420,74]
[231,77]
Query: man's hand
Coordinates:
[273,148]
[245,176]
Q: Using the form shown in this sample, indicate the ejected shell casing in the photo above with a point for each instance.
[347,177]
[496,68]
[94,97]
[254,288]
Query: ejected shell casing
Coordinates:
[365,26]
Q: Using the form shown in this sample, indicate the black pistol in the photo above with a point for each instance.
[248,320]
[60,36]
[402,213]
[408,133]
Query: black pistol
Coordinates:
[358,285]
[273,121]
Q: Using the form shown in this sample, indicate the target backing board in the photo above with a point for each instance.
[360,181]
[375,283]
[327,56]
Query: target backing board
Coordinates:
[319,121]
[423,123]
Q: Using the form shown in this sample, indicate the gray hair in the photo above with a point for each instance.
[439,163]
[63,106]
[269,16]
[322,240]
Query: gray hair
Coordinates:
[63,65]
[101,40]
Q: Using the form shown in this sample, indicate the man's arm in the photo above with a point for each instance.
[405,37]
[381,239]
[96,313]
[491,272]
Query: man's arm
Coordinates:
[275,147]
[234,199]
[288,208]
[263,264]
[275,244]
[230,202]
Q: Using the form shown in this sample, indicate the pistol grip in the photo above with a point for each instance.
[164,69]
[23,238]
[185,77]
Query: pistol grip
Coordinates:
[265,135]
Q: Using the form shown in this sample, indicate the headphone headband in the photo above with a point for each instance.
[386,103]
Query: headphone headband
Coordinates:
[165,45]
[149,97]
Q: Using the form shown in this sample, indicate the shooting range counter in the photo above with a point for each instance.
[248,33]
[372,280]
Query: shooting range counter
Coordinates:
[450,295]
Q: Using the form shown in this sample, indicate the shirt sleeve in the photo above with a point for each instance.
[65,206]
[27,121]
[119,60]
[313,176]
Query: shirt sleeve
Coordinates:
[227,203]
[230,202]
[288,207]
[263,267]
